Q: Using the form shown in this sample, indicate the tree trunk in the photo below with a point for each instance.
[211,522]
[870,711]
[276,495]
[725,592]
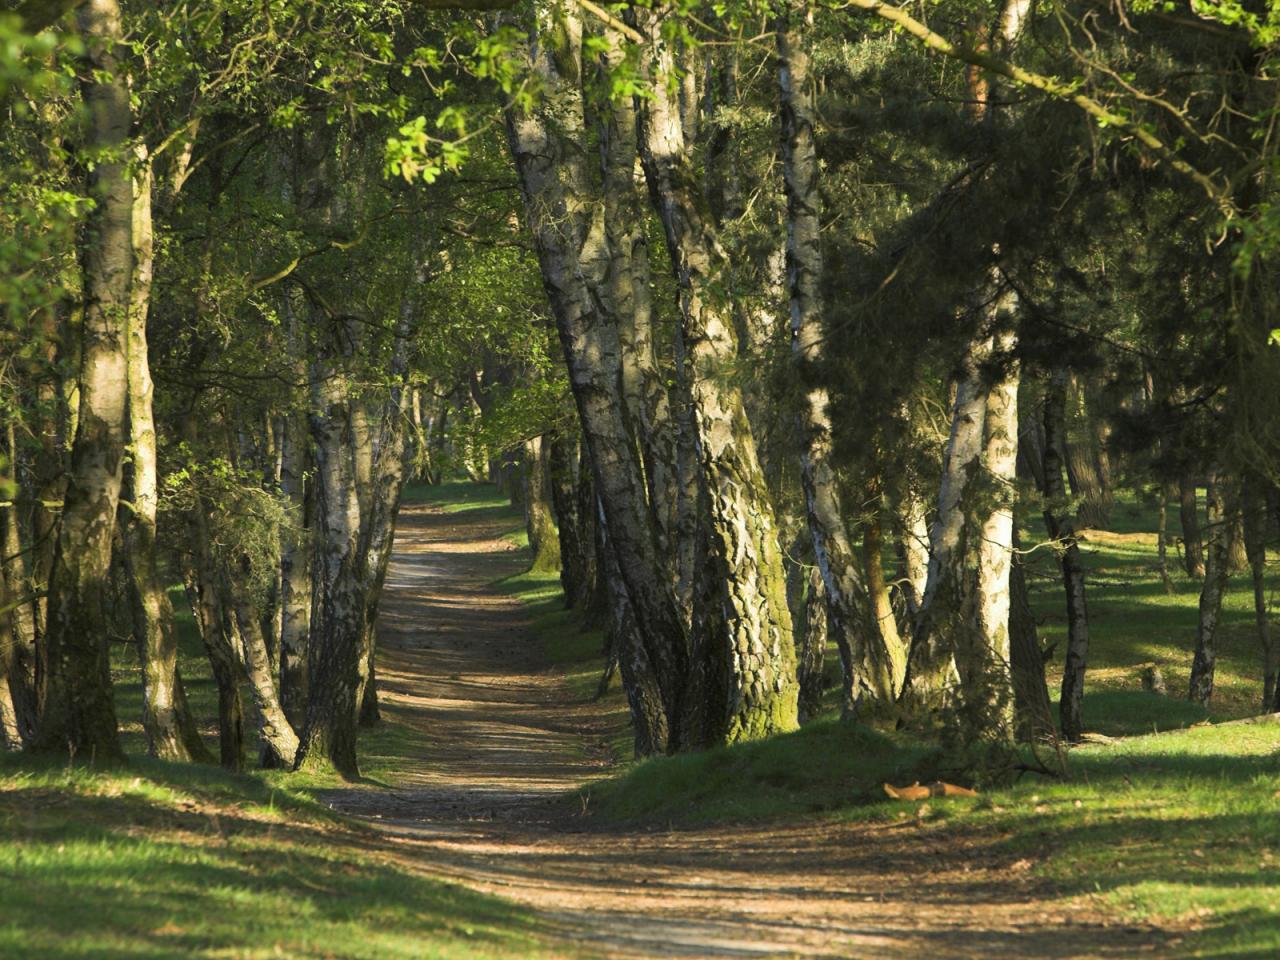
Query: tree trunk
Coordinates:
[1033,710]
[77,711]
[1255,541]
[755,646]
[644,387]
[991,680]
[211,620]
[171,730]
[1167,493]
[574,574]
[18,619]
[872,665]
[336,667]
[1192,543]
[884,622]
[813,647]
[544,540]
[1058,522]
[567,223]
[932,673]
[912,525]
[295,572]
[1219,514]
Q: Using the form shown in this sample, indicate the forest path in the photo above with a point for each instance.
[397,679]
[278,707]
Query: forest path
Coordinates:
[495,739]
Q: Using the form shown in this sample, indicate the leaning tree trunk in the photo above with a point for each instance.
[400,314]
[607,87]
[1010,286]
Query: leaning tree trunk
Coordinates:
[872,665]
[1058,522]
[171,730]
[755,647]
[566,218]
[644,387]
[77,711]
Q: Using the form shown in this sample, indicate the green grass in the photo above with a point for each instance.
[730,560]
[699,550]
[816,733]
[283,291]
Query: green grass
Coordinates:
[1134,622]
[169,860]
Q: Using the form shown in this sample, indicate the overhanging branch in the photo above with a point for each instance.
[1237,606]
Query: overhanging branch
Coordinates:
[1218,193]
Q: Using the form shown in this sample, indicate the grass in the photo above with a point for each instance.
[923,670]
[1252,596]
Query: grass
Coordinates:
[168,860]
[1134,622]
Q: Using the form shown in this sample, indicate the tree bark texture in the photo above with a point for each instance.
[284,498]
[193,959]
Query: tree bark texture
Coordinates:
[539,512]
[755,648]
[77,711]
[873,661]
[1058,522]
[566,217]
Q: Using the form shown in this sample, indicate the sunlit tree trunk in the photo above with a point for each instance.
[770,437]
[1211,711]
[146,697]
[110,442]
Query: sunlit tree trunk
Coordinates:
[991,681]
[566,218]
[755,647]
[544,541]
[77,712]
[337,670]
[932,673]
[628,283]
[171,730]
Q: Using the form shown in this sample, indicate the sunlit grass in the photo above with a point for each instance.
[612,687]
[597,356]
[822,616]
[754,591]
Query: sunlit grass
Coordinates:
[168,860]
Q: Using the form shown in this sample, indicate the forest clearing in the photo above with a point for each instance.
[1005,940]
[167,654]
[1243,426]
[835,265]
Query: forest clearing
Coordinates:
[657,478]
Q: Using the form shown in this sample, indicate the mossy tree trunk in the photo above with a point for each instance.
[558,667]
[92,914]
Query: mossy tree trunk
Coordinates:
[755,646]
[566,216]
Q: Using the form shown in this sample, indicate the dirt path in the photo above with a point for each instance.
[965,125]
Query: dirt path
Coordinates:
[496,739]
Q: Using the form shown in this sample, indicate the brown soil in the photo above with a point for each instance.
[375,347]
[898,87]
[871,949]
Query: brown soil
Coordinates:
[498,740]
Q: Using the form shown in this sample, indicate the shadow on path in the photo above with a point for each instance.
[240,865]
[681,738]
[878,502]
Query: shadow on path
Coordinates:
[496,741]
